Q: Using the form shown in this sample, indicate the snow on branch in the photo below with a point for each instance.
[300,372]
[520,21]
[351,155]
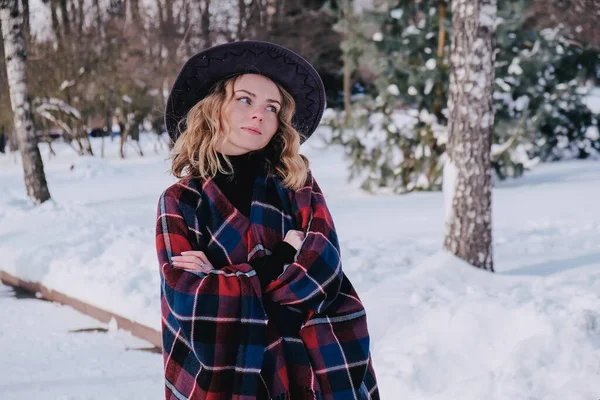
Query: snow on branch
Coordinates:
[53,104]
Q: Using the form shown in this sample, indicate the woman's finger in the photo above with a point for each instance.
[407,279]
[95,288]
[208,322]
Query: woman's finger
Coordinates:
[203,257]
[200,259]
[195,266]
[198,254]
[187,264]
[187,259]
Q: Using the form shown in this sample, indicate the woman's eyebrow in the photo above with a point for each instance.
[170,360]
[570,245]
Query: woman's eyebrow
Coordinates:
[253,95]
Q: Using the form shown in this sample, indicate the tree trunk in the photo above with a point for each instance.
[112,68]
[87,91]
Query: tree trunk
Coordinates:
[2,139]
[65,17]
[55,23]
[242,17]
[81,16]
[470,126]
[13,145]
[14,54]
[26,20]
[98,17]
[83,139]
[134,7]
[347,84]
[205,24]
[124,134]
[439,90]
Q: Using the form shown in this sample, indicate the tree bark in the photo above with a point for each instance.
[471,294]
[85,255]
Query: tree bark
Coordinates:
[205,23]
[14,54]
[65,17]
[98,18]
[439,90]
[2,139]
[242,18]
[81,16]
[26,20]
[134,7]
[347,84]
[470,126]
[55,23]
[124,135]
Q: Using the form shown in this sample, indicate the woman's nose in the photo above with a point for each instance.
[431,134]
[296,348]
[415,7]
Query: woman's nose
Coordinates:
[258,114]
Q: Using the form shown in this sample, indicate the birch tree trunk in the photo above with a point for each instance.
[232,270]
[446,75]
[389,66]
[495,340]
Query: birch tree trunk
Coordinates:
[470,125]
[14,54]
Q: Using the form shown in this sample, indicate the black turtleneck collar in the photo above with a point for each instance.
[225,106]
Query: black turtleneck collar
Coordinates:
[245,163]
[238,187]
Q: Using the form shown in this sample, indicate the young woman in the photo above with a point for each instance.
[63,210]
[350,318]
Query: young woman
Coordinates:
[253,298]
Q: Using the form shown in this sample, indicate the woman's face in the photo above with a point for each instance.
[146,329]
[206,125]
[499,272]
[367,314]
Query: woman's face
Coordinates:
[249,116]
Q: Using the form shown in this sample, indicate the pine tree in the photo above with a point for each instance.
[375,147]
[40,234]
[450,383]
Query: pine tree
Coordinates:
[401,150]
[535,92]
[538,99]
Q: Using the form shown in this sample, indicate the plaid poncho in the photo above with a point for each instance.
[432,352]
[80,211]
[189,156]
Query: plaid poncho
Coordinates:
[304,337]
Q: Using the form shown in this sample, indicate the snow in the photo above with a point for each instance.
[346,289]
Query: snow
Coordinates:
[440,329]
[431,64]
[411,30]
[487,15]
[397,13]
[64,364]
[474,337]
[503,85]
[426,117]
[65,85]
[592,100]
[428,86]
[592,133]
[521,103]
[515,68]
[45,105]
[393,90]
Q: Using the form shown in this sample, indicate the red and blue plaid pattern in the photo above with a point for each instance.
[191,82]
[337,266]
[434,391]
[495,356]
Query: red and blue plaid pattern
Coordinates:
[304,338]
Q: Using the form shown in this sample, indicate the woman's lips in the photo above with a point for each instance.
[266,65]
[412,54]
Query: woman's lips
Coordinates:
[254,131]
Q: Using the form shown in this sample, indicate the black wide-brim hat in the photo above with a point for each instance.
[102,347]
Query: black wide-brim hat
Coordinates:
[200,73]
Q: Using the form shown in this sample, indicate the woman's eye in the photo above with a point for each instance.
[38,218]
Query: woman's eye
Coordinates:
[245,100]
[272,109]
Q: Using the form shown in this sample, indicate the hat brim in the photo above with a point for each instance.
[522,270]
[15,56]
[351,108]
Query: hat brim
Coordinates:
[296,75]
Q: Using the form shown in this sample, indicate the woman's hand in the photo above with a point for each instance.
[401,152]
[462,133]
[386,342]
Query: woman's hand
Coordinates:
[192,260]
[295,238]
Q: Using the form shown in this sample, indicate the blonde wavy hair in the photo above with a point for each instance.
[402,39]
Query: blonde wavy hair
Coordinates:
[194,153]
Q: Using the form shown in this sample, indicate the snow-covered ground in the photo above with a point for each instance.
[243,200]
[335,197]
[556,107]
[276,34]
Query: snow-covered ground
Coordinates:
[52,352]
[441,330]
